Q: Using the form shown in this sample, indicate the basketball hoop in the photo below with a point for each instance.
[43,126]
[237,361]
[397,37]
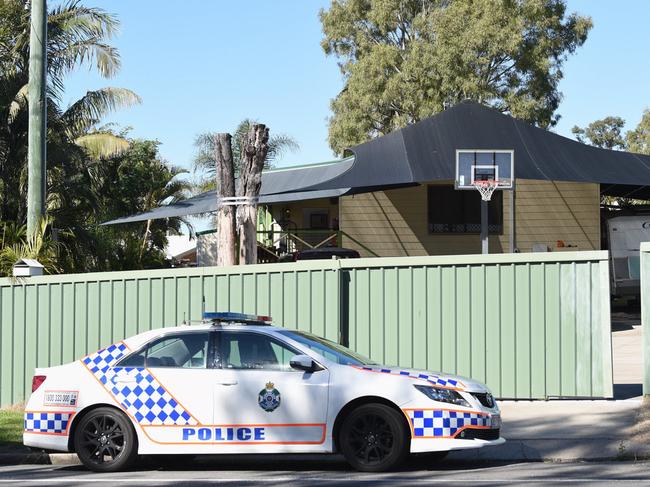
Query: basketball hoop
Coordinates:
[486,188]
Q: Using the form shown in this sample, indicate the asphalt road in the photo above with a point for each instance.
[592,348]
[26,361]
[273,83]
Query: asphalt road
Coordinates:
[296,472]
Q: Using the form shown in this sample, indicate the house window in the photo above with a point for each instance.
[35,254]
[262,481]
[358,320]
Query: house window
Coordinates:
[454,211]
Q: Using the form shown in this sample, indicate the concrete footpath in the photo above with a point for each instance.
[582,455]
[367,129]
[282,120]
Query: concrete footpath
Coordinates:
[569,431]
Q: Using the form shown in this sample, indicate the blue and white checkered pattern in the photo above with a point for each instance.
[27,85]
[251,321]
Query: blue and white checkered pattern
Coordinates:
[441,423]
[142,396]
[433,379]
[53,423]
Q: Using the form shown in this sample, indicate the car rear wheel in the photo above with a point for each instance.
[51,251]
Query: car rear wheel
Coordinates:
[105,441]
[373,438]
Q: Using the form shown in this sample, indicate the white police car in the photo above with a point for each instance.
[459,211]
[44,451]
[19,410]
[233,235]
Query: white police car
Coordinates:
[235,384]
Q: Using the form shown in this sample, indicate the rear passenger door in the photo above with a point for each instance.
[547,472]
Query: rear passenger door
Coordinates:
[162,385]
[270,406]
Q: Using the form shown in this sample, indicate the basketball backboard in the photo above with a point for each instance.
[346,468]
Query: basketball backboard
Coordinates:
[474,165]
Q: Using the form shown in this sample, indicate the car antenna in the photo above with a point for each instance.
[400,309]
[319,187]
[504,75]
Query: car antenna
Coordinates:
[203,306]
[184,318]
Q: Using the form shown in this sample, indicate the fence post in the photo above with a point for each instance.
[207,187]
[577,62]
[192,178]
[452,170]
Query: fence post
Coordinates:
[645,313]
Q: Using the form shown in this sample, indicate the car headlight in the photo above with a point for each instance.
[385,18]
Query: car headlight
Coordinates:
[442,395]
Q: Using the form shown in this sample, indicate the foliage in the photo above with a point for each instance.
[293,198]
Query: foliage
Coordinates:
[638,140]
[134,181]
[205,163]
[93,173]
[405,60]
[604,133]
[15,245]
[11,427]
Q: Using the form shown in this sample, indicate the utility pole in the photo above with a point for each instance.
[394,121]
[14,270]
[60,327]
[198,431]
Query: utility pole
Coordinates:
[37,98]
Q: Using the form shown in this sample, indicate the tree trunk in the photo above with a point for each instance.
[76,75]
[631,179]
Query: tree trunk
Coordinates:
[226,188]
[254,152]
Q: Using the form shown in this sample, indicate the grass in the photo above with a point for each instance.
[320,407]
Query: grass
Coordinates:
[11,427]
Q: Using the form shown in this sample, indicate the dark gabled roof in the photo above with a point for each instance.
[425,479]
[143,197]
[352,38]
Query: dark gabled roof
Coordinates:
[426,151]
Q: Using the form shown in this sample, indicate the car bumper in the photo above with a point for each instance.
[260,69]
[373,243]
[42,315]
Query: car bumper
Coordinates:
[422,445]
[46,441]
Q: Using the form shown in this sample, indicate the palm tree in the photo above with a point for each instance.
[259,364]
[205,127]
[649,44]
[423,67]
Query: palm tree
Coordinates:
[77,36]
[175,190]
[205,164]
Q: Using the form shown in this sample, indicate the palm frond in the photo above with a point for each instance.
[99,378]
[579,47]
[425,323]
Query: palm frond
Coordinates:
[101,145]
[90,109]
[279,145]
[76,35]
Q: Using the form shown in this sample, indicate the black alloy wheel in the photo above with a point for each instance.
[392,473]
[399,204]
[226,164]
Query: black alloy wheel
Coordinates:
[105,440]
[373,438]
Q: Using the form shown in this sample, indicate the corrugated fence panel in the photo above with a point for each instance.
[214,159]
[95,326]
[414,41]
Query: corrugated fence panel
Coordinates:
[645,313]
[530,325]
[51,320]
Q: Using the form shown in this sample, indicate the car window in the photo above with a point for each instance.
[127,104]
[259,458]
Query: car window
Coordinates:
[189,350]
[248,350]
[328,349]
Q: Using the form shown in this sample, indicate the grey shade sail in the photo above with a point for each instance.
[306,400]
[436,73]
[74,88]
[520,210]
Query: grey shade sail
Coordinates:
[207,203]
[426,151]
[276,188]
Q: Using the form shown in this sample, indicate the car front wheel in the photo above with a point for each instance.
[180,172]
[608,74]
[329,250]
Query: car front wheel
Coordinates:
[373,438]
[105,440]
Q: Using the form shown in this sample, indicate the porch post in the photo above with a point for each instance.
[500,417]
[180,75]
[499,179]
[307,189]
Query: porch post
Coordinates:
[513,222]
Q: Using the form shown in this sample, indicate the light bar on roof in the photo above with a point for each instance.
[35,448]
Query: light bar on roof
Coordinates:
[236,317]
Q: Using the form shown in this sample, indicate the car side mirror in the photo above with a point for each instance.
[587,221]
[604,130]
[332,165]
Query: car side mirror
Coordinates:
[303,362]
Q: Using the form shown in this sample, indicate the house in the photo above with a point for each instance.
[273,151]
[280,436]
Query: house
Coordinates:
[395,196]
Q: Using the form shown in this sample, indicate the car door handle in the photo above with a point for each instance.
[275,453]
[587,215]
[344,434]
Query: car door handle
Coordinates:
[227,383]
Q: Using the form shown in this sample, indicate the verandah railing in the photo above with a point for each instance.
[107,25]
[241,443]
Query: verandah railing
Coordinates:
[276,243]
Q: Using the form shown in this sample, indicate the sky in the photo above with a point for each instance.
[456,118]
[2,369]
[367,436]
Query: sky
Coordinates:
[204,65]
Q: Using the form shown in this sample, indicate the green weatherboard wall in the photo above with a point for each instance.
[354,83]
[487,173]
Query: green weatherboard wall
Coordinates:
[530,325]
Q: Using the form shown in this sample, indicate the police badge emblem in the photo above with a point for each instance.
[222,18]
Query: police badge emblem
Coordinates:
[269,398]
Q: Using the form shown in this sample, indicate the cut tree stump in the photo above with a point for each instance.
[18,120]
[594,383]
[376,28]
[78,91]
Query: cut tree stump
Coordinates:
[255,150]
[226,253]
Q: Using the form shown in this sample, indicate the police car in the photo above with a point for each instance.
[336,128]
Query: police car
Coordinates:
[233,383]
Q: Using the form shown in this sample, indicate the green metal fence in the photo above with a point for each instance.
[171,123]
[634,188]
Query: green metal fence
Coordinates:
[530,325]
[645,314]
[57,319]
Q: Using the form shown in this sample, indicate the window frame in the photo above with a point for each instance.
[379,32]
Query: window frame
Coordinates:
[144,347]
[218,343]
[429,221]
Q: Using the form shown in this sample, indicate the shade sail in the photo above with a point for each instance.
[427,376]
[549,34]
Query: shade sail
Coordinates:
[207,203]
[426,151]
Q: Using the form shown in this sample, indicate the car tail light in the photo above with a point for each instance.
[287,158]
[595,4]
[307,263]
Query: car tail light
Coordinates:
[37,380]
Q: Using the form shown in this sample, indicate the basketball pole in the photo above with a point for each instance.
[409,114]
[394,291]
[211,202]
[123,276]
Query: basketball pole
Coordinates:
[484,227]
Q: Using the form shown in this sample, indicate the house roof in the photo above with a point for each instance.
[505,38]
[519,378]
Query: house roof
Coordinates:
[426,151]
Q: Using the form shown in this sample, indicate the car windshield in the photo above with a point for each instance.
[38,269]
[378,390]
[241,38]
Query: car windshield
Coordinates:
[328,349]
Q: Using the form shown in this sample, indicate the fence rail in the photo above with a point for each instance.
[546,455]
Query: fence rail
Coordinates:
[530,325]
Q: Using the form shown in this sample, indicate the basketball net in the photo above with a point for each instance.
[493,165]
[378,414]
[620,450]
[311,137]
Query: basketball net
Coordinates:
[486,188]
